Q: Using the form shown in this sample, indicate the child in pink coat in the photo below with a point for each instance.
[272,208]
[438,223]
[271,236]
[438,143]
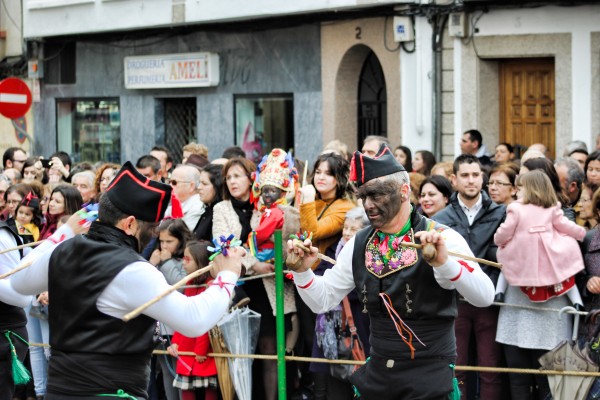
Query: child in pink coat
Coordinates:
[537,244]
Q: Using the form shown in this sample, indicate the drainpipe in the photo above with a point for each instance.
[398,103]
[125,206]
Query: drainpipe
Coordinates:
[439,23]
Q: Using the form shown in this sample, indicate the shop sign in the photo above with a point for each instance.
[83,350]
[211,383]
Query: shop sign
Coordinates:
[172,71]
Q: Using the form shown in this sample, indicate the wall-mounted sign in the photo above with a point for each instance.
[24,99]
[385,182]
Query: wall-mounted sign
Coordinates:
[172,71]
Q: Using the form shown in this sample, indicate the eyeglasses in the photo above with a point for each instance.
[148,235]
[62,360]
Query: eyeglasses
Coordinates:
[186,259]
[498,183]
[174,182]
[234,177]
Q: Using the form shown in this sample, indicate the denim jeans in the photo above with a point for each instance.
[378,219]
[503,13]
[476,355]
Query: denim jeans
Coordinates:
[39,332]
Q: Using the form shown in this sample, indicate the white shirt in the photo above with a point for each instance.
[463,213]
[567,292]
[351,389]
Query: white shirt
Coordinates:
[327,291]
[471,213]
[8,262]
[136,284]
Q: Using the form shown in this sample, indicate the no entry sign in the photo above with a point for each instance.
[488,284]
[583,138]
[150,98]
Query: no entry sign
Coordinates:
[15,98]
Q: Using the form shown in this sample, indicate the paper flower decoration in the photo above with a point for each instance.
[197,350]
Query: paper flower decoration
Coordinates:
[222,244]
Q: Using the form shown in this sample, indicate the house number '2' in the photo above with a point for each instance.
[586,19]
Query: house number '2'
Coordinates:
[358,31]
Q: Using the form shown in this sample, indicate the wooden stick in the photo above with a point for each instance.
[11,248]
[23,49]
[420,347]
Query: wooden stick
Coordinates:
[173,288]
[300,245]
[22,246]
[19,268]
[463,256]
[304,173]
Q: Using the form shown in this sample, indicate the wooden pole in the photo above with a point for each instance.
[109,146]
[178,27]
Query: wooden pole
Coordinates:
[19,268]
[173,288]
[22,246]
[300,245]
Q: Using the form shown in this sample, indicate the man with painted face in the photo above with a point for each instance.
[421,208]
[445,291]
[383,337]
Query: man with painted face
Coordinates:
[411,303]
[94,280]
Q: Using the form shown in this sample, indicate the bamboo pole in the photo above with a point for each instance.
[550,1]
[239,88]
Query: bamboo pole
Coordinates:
[19,268]
[173,288]
[22,246]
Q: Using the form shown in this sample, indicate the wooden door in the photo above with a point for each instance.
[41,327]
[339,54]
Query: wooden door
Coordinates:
[527,102]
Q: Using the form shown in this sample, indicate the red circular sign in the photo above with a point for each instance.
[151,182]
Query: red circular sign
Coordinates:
[15,98]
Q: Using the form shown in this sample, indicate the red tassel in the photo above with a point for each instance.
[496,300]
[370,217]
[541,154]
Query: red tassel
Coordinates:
[353,169]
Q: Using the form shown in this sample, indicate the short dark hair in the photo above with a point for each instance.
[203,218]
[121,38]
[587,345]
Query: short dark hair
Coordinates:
[508,146]
[108,213]
[475,136]
[340,170]
[215,175]
[9,154]
[441,183]
[64,157]
[465,159]
[232,152]
[165,150]
[148,161]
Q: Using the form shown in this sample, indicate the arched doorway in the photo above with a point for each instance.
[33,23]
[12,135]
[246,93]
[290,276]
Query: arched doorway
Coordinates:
[372,99]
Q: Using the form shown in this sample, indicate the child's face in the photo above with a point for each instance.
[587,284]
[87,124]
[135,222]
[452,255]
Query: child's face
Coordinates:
[351,226]
[189,265]
[24,215]
[168,242]
[270,194]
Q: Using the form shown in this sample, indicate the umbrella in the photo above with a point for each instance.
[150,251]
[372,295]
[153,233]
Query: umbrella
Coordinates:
[218,346]
[567,356]
[240,330]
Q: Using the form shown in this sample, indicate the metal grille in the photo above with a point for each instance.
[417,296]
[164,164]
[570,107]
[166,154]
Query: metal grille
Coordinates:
[180,125]
[372,100]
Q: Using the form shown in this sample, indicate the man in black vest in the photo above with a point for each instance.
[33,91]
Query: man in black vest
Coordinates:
[94,280]
[411,303]
[12,316]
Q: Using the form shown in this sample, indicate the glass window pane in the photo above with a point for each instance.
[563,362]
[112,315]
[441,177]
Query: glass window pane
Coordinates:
[90,130]
[264,122]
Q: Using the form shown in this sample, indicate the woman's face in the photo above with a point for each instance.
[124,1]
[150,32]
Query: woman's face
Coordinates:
[502,154]
[206,190]
[325,183]
[238,183]
[400,156]
[587,211]
[57,204]
[593,172]
[418,162]
[107,176]
[432,200]
[500,188]
[13,199]
[44,201]
[29,173]
[351,226]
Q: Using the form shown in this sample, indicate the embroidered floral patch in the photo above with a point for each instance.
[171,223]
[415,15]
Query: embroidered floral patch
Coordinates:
[384,256]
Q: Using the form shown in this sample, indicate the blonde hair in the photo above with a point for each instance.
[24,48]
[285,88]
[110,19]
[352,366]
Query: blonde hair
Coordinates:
[446,166]
[196,148]
[537,189]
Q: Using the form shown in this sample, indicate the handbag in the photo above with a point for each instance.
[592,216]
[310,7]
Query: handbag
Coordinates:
[349,345]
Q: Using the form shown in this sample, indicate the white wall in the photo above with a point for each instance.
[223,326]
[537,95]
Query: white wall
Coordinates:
[60,17]
[580,22]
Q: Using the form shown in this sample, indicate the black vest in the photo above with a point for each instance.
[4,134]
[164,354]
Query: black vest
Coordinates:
[423,305]
[114,354]
[11,317]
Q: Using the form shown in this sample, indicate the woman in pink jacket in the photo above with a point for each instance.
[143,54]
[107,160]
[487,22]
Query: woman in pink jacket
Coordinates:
[536,244]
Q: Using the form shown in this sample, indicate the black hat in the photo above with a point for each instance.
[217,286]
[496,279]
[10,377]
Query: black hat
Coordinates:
[31,200]
[134,194]
[364,168]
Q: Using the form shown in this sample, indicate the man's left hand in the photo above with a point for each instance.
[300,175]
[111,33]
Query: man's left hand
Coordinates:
[434,238]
